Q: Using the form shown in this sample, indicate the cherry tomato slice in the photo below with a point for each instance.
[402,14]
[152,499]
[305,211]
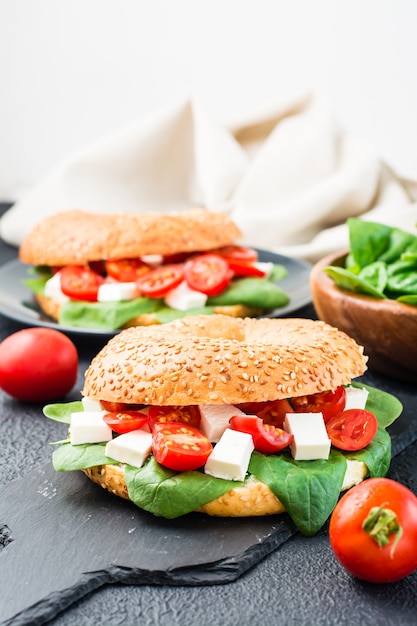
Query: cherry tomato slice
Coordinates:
[180,447]
[97,266]
[273,412]
[266,438]
[80,283]
[125,421]
[330,403]
[184,414]
[114,407]
[352,429]
[178,257]
[238,253]
[126,270]
[159,281]
[243,268]
[208,273]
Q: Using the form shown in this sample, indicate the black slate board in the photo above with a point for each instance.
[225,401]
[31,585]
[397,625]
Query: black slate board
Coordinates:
[69,537]
[64,537]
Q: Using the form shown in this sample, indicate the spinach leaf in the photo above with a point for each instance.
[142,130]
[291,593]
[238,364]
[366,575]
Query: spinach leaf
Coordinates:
[347,280]
[376,275]
[169,494]
[385,406]
[278,273]
[309,490]
[376,455]
[105,315]
[37,285]
[402,278]
[254,292]
[368,240]
[382,262]
[68,457]
[400,241]
[61,412]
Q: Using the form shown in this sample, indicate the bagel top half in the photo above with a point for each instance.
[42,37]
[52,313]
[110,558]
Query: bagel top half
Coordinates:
[222,360]
[78,237]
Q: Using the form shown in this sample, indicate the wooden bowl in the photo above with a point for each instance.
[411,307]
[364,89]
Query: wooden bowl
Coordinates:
[385,328]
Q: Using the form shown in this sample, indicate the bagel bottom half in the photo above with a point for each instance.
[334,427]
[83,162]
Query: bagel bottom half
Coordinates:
[52,307]
[252,499]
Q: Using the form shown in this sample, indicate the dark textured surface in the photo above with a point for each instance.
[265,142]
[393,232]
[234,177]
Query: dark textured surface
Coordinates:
[300,583]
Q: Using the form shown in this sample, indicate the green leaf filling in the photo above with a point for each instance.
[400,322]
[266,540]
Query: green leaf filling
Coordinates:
[308,489]
[80,457]
[382,262]
[105,315]
[169,494]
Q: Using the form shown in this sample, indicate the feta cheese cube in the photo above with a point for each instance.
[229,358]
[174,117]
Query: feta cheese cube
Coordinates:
[265,266]
[53,289]
[356,398]
[310,436]
[231,455]
[215,419]
[153,259]
[132,448]
[91,405]
[89,427]
[183,298]
[117,292]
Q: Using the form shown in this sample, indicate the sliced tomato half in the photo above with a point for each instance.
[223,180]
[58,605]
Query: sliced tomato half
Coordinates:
[183,414]
[180,447]
[125,421]
[208,273]
[272,412]
[266,438]
[114,407]
[126,270]
[329,403]
[238,253]
[243,268]
[80,283]
[157,282]
[352,429]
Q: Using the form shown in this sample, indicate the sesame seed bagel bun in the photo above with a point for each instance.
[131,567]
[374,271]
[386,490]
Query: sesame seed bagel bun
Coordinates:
[77,237]
[221,360]
[218,359]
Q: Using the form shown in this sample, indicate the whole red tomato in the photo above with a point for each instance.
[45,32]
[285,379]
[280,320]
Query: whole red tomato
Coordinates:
[38,364]
[373,530]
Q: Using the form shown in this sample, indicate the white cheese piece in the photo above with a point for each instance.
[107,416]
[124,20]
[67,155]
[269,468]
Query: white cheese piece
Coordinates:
[116,292]
[215,419]
[183,298]
[132,448]
[89,427]
[91,405]
[231,455]
[152,259]
[265,266]
[356,398]
[310,436]
[53,289]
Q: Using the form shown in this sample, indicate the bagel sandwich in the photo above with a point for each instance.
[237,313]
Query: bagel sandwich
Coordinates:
[112,271]
[195,385]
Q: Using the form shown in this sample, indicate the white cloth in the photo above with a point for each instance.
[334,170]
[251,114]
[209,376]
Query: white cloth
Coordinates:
[289,178]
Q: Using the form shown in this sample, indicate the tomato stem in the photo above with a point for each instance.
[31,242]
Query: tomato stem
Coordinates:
[380,524]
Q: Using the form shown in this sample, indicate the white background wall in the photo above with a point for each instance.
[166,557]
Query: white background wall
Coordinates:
[74,70]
